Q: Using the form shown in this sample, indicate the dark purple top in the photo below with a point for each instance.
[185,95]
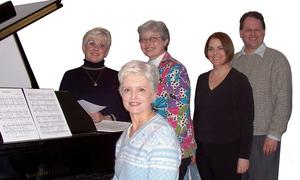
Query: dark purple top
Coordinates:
[225,114]
[80,83]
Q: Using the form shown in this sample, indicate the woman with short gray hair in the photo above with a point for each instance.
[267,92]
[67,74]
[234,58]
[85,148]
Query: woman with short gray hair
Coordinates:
[93,81]
[149,148]
[173,92]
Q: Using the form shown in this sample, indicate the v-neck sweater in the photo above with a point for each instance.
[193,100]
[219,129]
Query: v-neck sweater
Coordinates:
[224,114]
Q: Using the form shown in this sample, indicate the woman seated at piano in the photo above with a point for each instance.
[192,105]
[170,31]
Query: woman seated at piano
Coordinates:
[149,148]
[93,81]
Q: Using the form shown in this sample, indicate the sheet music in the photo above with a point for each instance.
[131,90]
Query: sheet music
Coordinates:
[90,107]
[112,126]
[15,119]
[47,113]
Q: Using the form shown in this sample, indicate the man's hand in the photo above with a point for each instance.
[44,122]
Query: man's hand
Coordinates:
[270,146]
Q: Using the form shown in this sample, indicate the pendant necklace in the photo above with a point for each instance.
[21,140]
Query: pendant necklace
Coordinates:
[94,81]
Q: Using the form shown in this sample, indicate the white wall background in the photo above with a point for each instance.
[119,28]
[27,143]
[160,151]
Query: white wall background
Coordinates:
[53,44]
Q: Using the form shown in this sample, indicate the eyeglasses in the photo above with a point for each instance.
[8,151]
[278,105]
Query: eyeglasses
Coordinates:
[93,44]
[152,39]
[248,30]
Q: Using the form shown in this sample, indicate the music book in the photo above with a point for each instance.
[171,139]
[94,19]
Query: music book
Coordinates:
[31,114]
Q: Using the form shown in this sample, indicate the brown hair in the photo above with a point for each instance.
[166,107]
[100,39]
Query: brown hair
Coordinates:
[253,14]
[226,43]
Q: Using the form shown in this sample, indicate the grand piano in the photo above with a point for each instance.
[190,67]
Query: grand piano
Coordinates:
[87,154]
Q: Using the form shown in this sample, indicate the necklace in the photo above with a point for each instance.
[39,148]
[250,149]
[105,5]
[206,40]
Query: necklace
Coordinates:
[95,82]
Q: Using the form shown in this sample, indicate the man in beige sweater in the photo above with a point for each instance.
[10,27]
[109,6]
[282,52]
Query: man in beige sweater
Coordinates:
[270,76]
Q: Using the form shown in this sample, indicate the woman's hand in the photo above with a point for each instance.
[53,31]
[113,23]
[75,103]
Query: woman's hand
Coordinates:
[97,116]
[242,166]
[193,159]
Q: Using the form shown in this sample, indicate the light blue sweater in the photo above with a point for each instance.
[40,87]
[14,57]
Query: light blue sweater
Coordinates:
[153,152]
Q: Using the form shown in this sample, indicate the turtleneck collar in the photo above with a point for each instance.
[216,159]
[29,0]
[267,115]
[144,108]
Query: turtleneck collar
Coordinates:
[89,65]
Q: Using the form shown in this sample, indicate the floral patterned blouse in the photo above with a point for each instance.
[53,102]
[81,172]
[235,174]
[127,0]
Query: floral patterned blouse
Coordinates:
[173,102]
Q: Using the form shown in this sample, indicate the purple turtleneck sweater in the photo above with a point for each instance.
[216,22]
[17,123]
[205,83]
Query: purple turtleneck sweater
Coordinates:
[80,82]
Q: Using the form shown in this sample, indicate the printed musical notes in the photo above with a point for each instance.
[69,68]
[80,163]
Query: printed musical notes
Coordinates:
[30,114]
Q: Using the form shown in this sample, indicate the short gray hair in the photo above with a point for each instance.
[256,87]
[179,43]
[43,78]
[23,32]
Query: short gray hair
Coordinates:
[155,26]
[96,32]
[146,69]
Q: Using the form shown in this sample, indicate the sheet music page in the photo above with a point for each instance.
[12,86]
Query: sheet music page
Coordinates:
[47,113]
[16,123]
[112,126]
[90,107]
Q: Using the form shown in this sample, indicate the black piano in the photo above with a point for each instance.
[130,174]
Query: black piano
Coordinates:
[87,154]
[84,156]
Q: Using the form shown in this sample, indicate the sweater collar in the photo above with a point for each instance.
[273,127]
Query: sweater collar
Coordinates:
[89,65]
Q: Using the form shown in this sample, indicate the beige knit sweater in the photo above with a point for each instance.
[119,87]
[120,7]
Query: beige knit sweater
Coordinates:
[271,81]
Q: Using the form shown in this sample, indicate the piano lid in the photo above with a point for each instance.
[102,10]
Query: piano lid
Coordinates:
[15,70]
[27,14]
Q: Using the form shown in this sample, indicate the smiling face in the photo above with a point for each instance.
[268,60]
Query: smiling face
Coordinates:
[216,53]
[95,49]
[252,34]
[137,94]
[152,44]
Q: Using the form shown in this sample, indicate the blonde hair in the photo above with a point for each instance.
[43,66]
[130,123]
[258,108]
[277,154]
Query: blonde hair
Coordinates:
[98,31]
